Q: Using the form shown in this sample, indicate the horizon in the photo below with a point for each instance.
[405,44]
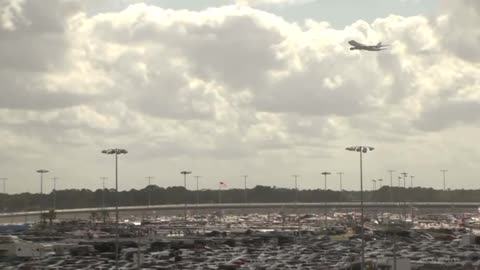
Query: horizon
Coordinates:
[369,190]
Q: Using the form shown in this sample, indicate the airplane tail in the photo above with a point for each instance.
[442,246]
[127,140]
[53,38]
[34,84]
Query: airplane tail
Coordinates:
[379,44]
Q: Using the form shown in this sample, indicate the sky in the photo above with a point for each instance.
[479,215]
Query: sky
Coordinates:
[264,88]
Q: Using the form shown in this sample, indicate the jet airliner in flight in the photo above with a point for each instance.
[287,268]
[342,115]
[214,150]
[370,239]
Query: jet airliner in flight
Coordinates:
[360,46]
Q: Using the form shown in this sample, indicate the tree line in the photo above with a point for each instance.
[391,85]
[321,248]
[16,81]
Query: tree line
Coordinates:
[85,198]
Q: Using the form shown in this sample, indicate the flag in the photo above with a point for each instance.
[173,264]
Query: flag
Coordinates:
[222,184]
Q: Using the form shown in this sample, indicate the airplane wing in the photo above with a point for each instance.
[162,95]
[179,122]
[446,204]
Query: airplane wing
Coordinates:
[355,44]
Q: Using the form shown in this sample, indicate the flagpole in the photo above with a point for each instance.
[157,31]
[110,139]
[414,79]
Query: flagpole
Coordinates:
[220,193]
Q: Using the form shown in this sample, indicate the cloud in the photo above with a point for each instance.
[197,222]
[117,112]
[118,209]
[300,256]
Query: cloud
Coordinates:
[254,3]
[24,21]
[458,28]
[449,113]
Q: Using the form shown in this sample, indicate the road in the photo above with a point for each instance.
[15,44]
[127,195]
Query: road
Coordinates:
[216,206]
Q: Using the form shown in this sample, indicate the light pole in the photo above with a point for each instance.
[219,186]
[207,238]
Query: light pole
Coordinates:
[185,199]
[103,191]
[245,198]
[411,180]
[325,200]
[391,177]
[399,185]
[443,172]
[295,177]
[149,178]
[391,184]
[54,179]
[362,150]
[379,196]
[404,174]
[389,222]
[116,152]
[41,172]
[374,185]
[340,174]
[198,195]
[379,181]
[4,179]
[220,184]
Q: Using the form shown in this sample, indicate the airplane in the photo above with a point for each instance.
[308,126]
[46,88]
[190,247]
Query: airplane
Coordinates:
[360,46]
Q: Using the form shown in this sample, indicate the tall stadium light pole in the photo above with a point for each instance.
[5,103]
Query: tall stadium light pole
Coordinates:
[374,185]
[404,174]
[220,193]
[103,178]
[185,198]
[149,179]
[340,174]
[444,185]
[362,150]
[391,177]
[4,180]
[391,184]
[325,174]
[399,184]
[41,172]
[379,181]
[42,202]
[389,222]
[54,204]
[198,195]
[295,177]
[116,152]
[245,198]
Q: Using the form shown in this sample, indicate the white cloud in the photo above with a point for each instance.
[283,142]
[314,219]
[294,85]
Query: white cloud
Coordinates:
[233,86]
[458,28]
[254,3]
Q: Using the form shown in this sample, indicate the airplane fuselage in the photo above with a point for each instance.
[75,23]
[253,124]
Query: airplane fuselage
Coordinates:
[359,46]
